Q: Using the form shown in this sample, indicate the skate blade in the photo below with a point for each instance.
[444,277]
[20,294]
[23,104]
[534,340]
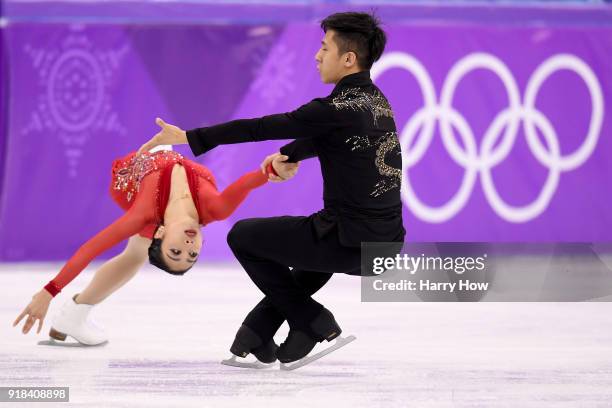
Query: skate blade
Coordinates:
[242,364]
[340,342]
[52,342]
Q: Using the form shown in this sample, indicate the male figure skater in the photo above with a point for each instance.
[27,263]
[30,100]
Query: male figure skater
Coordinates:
[353,134]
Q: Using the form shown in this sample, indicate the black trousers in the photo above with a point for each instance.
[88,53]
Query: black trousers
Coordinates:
[267,247]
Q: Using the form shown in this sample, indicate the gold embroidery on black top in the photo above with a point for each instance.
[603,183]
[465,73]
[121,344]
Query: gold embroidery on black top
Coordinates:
[356,99]
[385,144]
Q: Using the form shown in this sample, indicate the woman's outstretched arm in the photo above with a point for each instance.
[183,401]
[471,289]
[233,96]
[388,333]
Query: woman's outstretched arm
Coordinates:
[133,221]
[127,225]
[221,205]
[124,227]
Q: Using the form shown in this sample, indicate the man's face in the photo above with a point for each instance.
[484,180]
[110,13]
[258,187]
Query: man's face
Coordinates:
[331,66]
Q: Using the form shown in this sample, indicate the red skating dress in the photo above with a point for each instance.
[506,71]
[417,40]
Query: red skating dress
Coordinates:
[141,186]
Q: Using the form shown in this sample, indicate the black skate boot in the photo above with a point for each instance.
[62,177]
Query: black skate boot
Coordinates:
[299,343]
[248,342]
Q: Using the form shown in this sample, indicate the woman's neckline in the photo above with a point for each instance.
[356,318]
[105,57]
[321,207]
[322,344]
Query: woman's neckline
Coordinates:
[180,201]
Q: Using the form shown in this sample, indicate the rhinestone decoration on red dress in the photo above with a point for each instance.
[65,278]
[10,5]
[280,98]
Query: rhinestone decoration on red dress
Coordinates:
[128,178]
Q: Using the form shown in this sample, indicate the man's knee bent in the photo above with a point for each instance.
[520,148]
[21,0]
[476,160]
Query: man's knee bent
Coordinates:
[238,236]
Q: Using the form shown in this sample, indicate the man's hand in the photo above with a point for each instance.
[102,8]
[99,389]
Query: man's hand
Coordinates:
[168,135]
[284,170]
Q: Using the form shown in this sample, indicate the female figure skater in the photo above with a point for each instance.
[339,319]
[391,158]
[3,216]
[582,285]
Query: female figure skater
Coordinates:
[166,199]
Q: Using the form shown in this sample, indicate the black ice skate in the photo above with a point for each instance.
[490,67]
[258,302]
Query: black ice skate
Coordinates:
[298,344]
[248,342]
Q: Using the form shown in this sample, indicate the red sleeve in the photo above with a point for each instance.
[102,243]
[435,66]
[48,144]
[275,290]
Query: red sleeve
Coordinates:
[270,169]
[221,205]
[148,231]
[123,228]
[137,219]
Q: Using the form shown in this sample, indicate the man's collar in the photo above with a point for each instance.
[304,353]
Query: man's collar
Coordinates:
[360,78]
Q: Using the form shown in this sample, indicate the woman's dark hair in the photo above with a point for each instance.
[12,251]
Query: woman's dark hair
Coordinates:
[359,33]
[156,258]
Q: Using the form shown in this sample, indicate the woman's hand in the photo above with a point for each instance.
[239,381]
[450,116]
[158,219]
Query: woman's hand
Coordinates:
[168,135]
[37,309]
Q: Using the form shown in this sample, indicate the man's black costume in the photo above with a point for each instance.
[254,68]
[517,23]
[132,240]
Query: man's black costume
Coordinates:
[353,134]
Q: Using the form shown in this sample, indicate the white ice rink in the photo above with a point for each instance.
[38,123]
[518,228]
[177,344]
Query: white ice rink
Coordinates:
[168,335]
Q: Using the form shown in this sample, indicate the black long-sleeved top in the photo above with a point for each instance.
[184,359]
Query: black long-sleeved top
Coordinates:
[353,134]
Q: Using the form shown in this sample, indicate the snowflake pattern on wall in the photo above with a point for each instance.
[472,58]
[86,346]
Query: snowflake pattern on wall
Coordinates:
[74,98]
[274,77]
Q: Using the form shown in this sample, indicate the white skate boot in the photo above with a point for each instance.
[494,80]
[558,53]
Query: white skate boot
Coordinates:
[72,321]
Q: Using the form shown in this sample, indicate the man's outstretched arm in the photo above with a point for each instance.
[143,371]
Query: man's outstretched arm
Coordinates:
[314,119]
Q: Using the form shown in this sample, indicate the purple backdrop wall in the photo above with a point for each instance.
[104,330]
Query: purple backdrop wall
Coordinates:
[3,95]
[505,129]
[3,105]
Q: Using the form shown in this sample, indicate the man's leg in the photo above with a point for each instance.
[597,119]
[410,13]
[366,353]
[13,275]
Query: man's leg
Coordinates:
[266,247]
[265,319]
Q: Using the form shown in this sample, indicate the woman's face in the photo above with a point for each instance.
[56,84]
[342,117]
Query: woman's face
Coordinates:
[181,244]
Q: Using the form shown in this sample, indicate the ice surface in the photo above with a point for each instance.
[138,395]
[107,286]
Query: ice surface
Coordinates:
[168,335]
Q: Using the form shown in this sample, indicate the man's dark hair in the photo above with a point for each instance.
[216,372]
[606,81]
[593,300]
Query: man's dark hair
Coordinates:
[359,33]
[156,258]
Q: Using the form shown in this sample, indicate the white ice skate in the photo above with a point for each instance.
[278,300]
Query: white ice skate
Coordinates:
[340,342]
[72,321]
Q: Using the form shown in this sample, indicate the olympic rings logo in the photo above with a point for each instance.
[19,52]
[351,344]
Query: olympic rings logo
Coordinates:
[480,160]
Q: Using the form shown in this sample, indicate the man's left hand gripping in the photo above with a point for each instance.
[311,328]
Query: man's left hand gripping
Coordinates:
[284,170]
